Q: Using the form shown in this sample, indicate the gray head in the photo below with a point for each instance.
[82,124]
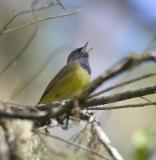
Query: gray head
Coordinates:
[80,55]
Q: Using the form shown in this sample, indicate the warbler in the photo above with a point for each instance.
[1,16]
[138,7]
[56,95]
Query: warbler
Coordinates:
[71,79]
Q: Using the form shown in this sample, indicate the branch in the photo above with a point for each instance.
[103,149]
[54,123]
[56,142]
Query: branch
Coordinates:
[38,20]
[25,83]
[97,130]
[71,143]
[120,96]
[29,11]
[21,13]
[124,65]
[67,107]
[26,45]
[20,53]
[57,109]
[121,106]
[12,114]
[60,3]
[123,84]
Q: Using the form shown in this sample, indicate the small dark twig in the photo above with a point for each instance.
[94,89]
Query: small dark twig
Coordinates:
[120,96]
[146,99]
[121,106]
[124,65]
[123,84]
[60,3]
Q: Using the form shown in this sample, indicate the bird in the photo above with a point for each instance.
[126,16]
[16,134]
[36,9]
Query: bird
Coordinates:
[71,80]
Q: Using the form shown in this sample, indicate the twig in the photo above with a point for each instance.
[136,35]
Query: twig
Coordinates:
[97,130]
[121,106]
[22,115]
[21,13]
[20,53]
[150,45]
[59,109]
[26,45]
[120,96]
[60,3]
[127,64]
[123,84]
[26,83]
[38,20]
[146,99]
[72,143]
[29,11]
[68,105]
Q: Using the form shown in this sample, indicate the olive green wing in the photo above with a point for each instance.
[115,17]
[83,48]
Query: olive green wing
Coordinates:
[63,72]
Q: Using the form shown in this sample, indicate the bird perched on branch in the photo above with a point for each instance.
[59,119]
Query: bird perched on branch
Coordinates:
[71,79]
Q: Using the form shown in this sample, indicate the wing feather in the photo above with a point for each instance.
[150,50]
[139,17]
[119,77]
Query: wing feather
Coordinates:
[63,72]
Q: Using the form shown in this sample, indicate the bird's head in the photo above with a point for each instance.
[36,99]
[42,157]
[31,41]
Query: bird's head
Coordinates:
[79,54]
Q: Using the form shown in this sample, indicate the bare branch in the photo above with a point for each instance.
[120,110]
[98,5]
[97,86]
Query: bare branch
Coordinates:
[68,105]
[60,3]
[38,20]
[121,96]
[21,13]
[123,84]
[121,106]
[60,108]
[151,44]
[29,11]
[146,99]
[20,53]
[124,65]
[22,115]
[100,134]
[29,112]
[97,130]
[26,45]
[26,83]
[71,143]
[57,109]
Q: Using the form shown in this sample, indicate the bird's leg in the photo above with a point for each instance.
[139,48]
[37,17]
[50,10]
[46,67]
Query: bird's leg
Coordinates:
[76,109]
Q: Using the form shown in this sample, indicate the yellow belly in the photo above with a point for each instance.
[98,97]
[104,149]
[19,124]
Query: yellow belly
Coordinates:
[69,86]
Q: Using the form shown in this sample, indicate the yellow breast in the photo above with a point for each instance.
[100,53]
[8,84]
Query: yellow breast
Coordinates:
[68,86]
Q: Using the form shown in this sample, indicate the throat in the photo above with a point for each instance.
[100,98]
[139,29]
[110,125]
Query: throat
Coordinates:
[86,66]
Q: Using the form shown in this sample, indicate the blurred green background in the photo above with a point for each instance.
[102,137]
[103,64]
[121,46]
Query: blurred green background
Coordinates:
[115,28]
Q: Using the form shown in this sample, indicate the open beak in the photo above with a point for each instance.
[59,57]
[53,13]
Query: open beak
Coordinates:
[88,51]
[84,48]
